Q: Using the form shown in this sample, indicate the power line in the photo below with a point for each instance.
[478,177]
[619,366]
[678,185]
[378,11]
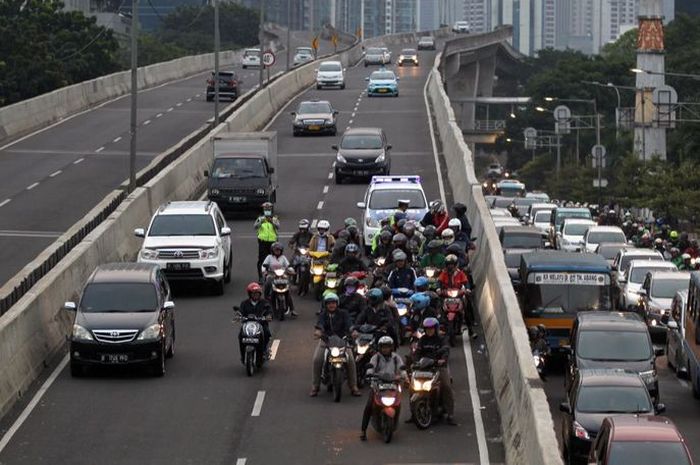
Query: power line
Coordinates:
[94,39]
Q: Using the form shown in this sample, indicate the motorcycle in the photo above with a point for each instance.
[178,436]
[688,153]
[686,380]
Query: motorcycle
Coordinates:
[386,409]
[334,368]
[332,280]
[281,297]
[432,274]
[403,307]
[364,349]
[425,393]
[453,310]
[302,263]
[253,341]
[318,271]
[540,360]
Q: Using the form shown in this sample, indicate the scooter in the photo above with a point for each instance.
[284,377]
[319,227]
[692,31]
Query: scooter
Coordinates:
[432,274]
[364,349]
[403,307]
[318,271]
[252,340]
[425,393]
[334,368]
[302,262]
[281,298]
[453,310]
[386,407]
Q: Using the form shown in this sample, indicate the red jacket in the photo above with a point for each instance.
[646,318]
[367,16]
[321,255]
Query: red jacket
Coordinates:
[458,280]
[440,221]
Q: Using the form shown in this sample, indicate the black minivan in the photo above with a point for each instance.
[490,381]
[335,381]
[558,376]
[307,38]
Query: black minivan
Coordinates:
[125,316]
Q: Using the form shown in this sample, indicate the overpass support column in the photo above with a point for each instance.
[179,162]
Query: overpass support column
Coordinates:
[464,84]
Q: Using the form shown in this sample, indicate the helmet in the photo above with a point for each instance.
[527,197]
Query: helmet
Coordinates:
[304,224]
[448,235]
[401,224]
[675,251]
[431,323]
[276,246]
[658,241]
[398,255]
[323,224]
[459,208]
[421,281]
[385,236]
[454,249]
[351,281]
[253,287]
[385,341]
[352,230]
[386,292]
[267,205]
[454,224]
[402,202]
[350,222]
[420,301]
[375,296]
[330,297]
[686,256]
[351,249]
[399,238]
[435,244]
[533,331]
[436,206]
[451,260]
[673,235]
[429,232]
[410,227]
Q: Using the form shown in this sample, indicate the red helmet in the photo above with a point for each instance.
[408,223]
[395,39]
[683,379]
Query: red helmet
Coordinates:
[253,287]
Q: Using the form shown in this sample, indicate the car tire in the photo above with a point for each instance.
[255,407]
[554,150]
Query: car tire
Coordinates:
[338,178]
[318,87]
[77,370]
[342,87]
[244,66]
[400,64]
[295,133]
[227,269]
[334,132]
[366,65]
[171,351]
[396,94]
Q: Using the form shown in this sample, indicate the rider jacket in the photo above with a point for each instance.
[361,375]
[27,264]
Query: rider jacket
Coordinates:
[456,280]
[300,239]
[433,347]
[402,277]
[351,264]
[259,309]
[335,323]
[316,241]
[392,365]
[353,303]
[381,316]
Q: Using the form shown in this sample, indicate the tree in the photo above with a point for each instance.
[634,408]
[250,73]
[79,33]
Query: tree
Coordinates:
[44,47]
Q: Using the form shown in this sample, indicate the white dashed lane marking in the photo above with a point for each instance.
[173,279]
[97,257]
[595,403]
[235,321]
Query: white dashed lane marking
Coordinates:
[147,122]
[320,205]
[32,186]
[99,150]
[257,406]
[5,202]
[325,189]
[117,139]
[79,160]
[55,173]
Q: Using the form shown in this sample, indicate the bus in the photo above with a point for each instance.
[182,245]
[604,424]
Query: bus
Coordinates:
[683,342]
[555,285]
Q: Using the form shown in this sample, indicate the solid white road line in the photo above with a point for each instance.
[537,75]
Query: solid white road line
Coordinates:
[32,404]
[32,186]
[257,406]
[241,461]
[441,183]
[79,160]
[320,205]
[100,149]
[5,202]
[117,139]
[325,189]
[19,233]
[55,173]
[273,349]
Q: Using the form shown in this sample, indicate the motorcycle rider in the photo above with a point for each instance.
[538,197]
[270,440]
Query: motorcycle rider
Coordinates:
[377,313]
[266,228]
[333,321]
[402,275]
[434,346]
[434,257]
[275,259]
[347,222]
[461,214]
[255,305]
[384,362]
[437,216]
[686,264]
[454,278]
[381,244]
[338,251]
[302,237]
[353,235]
[460,236]
[322,241]
[352,261]
[413,237]
[447,236]
[351,300]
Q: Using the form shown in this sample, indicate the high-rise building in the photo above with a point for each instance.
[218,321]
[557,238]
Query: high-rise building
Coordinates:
[476,14]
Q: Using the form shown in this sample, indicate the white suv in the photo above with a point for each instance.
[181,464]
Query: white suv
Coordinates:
[461,26]
[190,241]
[330,74]
[251,57]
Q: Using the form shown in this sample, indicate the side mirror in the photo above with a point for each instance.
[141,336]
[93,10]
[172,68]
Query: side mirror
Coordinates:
[659,351]
[660,408]
[293,113]
[335,112]
[642,292]
[71,306]
[558,234]
[398,78]
[361,205]
[271,170]
[206,173]
[565,407]
[168,305]
[225,231]
[334,147]
[389,146]
[140,232]
[367,78]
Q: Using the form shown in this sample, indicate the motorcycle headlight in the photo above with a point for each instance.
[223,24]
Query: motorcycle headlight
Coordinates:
[419,385]
[429,272]
[331,283]
[362,348]
[214,192]
[452,293]
[151,333]
[149,254]
[402,310]
[317,270]
[279,272]
[486,184]
[341,158]
[362,291]
[303,251]
[388,401]
[380,158]
[653,322]
[209,253]
[537,359]
[81,334]
[380,261]
[335,352]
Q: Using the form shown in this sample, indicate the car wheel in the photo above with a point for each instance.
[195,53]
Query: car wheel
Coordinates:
[295,133]
[396,94]
[366,65]
[244,66]
[338,178]
[318,87]
[342,86]
[171,350]
[400,64]
[227,270]
[334,132]
[77,370]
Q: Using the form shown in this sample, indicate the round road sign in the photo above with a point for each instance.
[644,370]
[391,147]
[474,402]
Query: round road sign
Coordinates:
[268,58]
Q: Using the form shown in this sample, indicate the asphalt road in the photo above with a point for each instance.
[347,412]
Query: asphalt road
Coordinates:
[202,411]
[52,178]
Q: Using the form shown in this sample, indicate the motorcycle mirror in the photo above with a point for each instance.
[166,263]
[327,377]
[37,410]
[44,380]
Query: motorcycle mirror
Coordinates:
[565,407]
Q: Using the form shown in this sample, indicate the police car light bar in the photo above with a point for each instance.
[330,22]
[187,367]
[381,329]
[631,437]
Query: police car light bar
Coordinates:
[415,179]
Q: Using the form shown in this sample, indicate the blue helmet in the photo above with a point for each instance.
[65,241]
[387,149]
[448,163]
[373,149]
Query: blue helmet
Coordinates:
[375,296]
[420,301]
[421,281]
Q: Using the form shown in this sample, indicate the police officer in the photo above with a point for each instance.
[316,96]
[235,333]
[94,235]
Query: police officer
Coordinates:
[266,227]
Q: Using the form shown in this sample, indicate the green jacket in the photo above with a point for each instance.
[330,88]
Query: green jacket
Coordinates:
[437,261]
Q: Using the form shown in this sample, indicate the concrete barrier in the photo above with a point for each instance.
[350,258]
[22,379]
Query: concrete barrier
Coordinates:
[528,429]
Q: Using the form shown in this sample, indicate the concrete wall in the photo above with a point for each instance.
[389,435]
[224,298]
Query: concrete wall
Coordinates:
[528,429]
[34,330]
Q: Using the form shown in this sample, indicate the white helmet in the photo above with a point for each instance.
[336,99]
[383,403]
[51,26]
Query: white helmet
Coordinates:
[323,224]
[448,236]
[454,224]
[385,340]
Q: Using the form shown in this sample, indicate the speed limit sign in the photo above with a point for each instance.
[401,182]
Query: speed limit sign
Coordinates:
[268,58]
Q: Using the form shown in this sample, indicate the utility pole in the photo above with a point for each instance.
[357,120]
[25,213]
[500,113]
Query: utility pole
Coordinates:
[134,92]
[289,26]
[217,47]
[558,154]
[261,38]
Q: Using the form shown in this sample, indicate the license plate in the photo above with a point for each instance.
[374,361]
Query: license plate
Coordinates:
[237,199]
[114,358]
[178,266]
[362,173]
[314,127]
[382,91]
[250,340]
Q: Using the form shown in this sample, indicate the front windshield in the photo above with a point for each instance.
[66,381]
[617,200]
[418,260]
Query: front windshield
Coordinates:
[313,107]
[329,67]
[182,225]
[558,299]
[361,141]
[561,216]
[543,216]
[614,345]
[239,168]
[119,297]
[522,241]
[613,399]
[408,51]
[667,288]
[576,229]
[386,199]
[640,272]
[626,260]
[374,51]
[382,76]
[598,237]
[648,453]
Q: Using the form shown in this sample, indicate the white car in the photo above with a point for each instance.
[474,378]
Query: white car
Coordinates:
[251,57]
[374,56]
[190,241]
[330,74]
[387,54]
[570,236]
[598,234]
[541,196]
[636,274]
[541,220]
[461,27]
[382,198]
[303,55]
[495,212]
[624,257]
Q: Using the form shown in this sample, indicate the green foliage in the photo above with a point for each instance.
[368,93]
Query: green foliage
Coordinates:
[43,48]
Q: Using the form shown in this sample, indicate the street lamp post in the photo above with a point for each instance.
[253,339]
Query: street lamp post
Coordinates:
[217,47]
[261,38]
[595,112]
[134,93]
[289,26]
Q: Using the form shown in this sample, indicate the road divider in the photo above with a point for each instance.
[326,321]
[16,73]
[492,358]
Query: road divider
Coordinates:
[528,429]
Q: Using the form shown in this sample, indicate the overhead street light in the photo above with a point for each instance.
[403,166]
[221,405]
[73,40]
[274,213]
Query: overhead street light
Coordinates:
[659,73]
[543,110]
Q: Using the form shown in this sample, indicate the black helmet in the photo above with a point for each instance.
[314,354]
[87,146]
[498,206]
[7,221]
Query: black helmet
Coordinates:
[386,292]
[375,296]
[399,239]
[385,236]
[399,255]
[533,332]
[429,232]
[410,227]
[351,281]
[351,249]
[352,230]
[459,208]
[435,244]
[454,249]
[401,224]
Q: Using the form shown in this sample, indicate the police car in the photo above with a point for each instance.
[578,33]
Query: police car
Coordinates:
[382,198]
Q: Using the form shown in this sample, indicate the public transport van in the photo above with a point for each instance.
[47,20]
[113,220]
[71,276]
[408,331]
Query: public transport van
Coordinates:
[555,285]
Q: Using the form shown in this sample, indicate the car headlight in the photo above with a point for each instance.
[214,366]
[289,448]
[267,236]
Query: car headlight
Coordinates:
[341,158]
[298,122]
[151,333]
[214,192]
[81,334]
[209,253]
[329,122]
[335,352]
[362,349]
[149,254]
[388,401]
[260,191]
[648,376]
[380,158]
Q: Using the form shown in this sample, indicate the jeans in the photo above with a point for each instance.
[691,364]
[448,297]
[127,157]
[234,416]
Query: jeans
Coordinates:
[319,360]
